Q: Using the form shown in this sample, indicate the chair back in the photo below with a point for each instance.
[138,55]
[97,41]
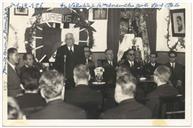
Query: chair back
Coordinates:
[172,107]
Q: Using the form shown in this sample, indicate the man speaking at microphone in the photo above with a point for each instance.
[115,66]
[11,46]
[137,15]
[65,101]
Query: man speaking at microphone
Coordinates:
[67,57]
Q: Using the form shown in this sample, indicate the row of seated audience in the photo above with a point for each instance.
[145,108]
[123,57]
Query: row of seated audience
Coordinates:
[45,96]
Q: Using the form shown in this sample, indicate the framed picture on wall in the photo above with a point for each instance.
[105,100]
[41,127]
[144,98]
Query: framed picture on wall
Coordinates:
[100,13]
[178,22]
[21,11]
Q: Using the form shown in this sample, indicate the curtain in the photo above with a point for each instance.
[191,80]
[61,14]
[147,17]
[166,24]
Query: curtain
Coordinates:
[151,29]
[113,28]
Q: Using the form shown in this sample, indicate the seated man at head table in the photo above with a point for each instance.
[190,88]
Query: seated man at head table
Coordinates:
[128,60]
[13,80]
[128,107]
[178,72]
[151,65]
[31,100]
[89,61]
[29,64]
[52,90]
[83,95]
[161,77]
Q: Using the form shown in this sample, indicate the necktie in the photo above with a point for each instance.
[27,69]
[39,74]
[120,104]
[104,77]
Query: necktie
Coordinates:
[111,63]
[71,50]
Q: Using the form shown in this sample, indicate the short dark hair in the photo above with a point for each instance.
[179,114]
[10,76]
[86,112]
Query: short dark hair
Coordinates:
[25,56]
[121,70]
[130,49]
[172,52]
[179,17]
[108,50]
[81,71]
[10,51]
[154,53]
[30,78]
[124,20]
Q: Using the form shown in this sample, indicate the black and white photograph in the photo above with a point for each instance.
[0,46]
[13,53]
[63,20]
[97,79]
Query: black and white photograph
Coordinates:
[178,22]
[21,11]
[123,64]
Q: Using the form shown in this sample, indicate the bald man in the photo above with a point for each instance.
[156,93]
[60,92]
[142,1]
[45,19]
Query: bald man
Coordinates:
[69,55]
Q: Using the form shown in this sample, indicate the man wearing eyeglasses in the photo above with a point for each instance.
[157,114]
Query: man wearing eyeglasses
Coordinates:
[129,61]
[178,72]
[150,67]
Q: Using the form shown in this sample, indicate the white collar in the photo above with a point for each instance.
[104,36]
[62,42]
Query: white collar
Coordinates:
[172,63]
[131,62]
[71,47]
[12,66]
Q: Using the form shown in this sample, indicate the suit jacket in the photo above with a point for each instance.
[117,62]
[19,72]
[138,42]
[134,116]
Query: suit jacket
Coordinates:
[109,74]
[87,98]
[149,69]
[72,59]
[178,73]
[59,110]
[13,82]
[153,98]
[24,68]
[128,109]
[136,70]
[30,102]
[91,67]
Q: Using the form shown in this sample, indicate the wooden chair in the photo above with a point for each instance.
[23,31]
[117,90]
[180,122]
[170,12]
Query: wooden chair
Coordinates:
[172,107]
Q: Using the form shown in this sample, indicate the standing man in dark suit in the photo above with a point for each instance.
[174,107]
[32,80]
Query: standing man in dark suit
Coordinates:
[161,77]
[83,95]
[152,65]
[52,90]
[13,80]
[178,71]
[128,107]
[67,57]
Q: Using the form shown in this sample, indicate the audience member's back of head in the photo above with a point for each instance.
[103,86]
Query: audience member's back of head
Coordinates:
[127,82]
[81,72]
[29,79]
[13,109]
[51,84]
[163,73]
[122,70]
